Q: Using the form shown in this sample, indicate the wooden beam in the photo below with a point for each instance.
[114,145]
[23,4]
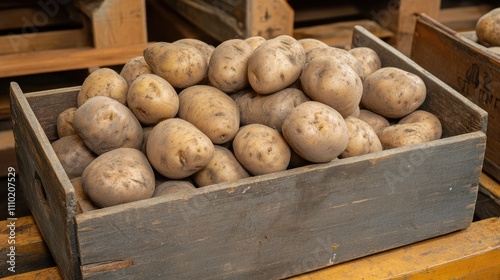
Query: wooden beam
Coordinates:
[7,152]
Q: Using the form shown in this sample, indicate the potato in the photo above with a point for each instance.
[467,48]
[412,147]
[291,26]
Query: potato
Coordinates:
[182,65]
[362,138]
[205,49]
[118,176]
[270,109]
[223,167]
[177,149]
[103,82]
[212,111]
[152,99]
[73,154]
[275,64]
[311,43]
[261,149]
[83,203]
[338,54]
[368,58]
[135,67]
[228,65]
[255,41]
[172,187]
[417,127]
[393,92]
[316,132]
[105,124]
[376,121]
[145,134]
[488,28]
[64,122]
[332,82]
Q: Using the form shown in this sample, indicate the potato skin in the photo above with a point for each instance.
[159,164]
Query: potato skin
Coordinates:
[172,187]
[83,203]
[311,43]
[332,82]
[177,149]
[269,109]
[212,111]
[393,92]
[337,54]
[118,176]
[255,41]
[135,67]
[223,167]
[73,154]
[362,138]
[316,132]
[182,65]
[105,124]
[376,121]
[261,149]
[103,82]
[152,99]
[275,64]
[418,127]
[488,28]
[228,65]
[205,49]
[64,122]
[368,58]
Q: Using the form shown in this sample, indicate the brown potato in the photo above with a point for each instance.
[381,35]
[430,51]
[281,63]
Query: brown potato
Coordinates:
[488,28]
[418,127]
[171,187]
[316,132]
[332,82]
[311,43]
[182,65]
[261,149]
[338,54]
[223,167]
[64,122]
[275,64]
[73,154]
[228,65]
[368,58]
[255,41]
[118,176]
[177,149]
[212,111]
[362,138]
[152,99]
[135,67]
[205,49]
[105,124]
[376,121]
[270,109]
[393,92]
[83,203]
[103,82]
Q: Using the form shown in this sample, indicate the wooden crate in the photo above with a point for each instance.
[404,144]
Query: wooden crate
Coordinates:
[264,227]
[468,68]
[47,36]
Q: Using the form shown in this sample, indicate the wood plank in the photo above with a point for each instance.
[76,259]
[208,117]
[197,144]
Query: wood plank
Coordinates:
[50,273]
[116,23]
[7,152]
[472,253]
[31,253]
[463,18]
[70,59]
[25,18]
[42,41]
[46,187]
[269,19]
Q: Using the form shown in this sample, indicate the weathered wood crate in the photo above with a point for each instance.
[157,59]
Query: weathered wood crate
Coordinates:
[265,227]
[468,68]
[50,36]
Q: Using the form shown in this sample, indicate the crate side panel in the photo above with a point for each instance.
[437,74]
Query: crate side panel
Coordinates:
[269,227]
[44,183]
[466,68]
[441,99]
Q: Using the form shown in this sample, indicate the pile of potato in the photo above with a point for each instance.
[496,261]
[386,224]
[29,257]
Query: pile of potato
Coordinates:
[187,115]
[488,30]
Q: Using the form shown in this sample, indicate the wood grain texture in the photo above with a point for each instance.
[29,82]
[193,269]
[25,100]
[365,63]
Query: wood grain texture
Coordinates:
[46,187]
[469,69]
[7,152]
[50,273]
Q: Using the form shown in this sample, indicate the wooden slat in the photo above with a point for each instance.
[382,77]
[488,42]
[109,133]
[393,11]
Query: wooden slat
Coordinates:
[463,18]
[7,152]
[473,253]
[70,59]
[25,18]
[41,41]
[50,273]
